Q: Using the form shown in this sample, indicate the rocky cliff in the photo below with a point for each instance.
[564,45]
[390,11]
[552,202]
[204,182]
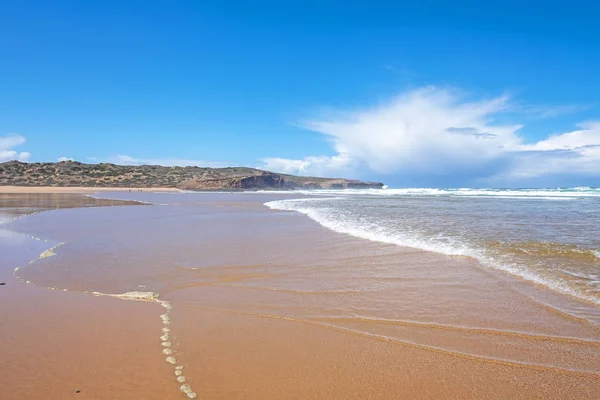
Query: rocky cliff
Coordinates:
[73,173]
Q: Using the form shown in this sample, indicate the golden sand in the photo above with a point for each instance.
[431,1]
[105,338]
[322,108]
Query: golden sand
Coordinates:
[74,189]
[272,306]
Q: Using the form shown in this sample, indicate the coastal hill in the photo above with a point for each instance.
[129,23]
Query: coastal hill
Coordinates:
[74,173]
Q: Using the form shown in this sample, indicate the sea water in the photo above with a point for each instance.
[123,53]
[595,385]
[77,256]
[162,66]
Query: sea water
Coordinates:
[547,236]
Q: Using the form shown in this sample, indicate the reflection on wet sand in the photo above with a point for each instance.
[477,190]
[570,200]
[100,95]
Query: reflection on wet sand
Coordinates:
[50,201]
[57,345]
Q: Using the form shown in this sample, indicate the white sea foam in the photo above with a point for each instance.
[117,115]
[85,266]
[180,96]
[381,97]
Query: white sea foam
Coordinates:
[139,296]
[374,232]
[369,232]
[542,194]
[185,388]
[45,254]
[164,317]
[117,199]
[165,304]
[171,360]
[165,343]
[50,252]
[142,296]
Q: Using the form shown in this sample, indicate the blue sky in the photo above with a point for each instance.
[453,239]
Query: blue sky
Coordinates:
[423,94]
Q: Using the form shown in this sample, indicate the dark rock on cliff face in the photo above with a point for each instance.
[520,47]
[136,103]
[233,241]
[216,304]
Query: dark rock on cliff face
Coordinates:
[73,173]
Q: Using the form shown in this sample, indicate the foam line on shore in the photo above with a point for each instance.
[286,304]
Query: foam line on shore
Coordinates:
[44,254]
[133,295]
[151,297]
[50,252]
[91,196]
[15,218]
[166,336]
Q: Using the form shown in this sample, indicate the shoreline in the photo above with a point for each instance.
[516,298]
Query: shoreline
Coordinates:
[78,189]
[525,276]
[47,329]
[240,302]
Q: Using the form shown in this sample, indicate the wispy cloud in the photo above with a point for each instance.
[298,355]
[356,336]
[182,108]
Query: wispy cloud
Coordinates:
[437,132]
[63,159]
[552,111]
[470,132]
[128,160]
[8,143]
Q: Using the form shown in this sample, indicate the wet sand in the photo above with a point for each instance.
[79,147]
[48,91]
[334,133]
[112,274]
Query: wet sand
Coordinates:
[269,305]
[62,345]
[76,189]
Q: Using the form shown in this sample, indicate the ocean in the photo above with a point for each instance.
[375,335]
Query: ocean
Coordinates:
[547,236]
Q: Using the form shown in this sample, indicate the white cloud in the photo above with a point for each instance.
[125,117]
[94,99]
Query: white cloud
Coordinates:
[7,143]
[437,132]
[428,131]
[63,159]
[545,111]
[128,160]
[320,165]
[574,153]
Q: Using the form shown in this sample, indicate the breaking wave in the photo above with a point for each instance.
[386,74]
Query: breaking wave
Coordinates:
[549,194]
[514,258]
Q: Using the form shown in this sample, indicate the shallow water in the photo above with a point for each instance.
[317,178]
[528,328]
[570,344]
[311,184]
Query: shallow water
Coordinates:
[251,285]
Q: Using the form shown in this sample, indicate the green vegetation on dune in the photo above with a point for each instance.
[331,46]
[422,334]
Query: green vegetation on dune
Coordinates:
[73,173]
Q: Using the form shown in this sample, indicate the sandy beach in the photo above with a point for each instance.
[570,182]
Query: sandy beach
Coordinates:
[73,190]
[59,345]
[268,304]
